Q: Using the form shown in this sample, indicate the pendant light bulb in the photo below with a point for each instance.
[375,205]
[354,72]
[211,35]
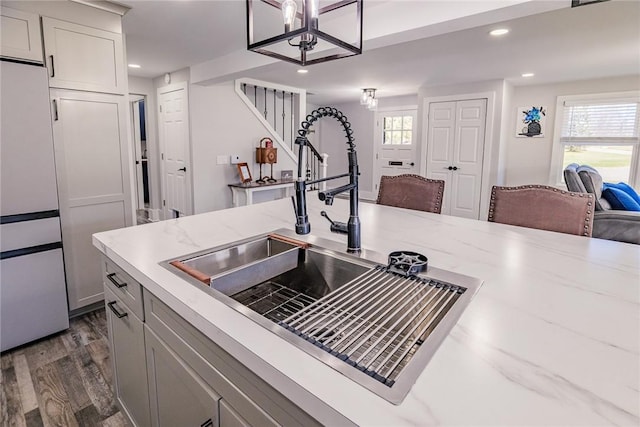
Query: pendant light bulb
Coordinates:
[314,8]
[364,98]
[289,9]
[373,104]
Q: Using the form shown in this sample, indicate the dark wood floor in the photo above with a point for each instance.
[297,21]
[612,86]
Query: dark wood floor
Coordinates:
[62,380]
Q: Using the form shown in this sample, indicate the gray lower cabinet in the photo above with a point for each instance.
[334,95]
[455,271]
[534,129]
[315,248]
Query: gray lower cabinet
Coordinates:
[126,342]
[229,417]
[167,373]
[179,396]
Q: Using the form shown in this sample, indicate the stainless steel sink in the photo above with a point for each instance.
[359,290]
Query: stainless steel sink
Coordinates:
[367,321]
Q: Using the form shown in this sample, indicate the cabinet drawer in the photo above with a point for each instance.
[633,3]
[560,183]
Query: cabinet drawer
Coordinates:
[259,403]
[124,287]
[33,301]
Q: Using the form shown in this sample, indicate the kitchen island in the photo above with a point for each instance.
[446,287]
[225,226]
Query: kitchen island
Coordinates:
[551,338]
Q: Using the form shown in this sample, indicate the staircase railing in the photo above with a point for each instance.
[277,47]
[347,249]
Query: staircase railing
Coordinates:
[281,109]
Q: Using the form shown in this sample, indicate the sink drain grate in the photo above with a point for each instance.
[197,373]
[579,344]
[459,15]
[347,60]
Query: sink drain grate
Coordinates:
[274,301]
[377,321]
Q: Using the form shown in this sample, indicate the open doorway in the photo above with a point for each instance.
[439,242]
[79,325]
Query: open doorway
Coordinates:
[139,127]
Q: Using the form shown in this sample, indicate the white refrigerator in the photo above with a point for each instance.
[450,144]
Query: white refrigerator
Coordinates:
[33,297]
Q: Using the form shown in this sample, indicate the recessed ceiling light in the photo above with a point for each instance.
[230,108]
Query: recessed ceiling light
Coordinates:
[134,66]
[528,75]
[499,32]
[303,71]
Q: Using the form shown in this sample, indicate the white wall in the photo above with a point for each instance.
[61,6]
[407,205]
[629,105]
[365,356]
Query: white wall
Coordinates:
[176,77]
[221,125]
[334,143]
[528,159]
[145,87]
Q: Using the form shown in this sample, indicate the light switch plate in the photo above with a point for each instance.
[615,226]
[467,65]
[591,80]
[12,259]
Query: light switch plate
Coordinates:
[222,160]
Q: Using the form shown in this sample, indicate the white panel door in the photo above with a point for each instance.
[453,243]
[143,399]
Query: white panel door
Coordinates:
[468,154]
[84,58]
[396,152]
[455,152]
[441,137]
[174,141]
[92,166]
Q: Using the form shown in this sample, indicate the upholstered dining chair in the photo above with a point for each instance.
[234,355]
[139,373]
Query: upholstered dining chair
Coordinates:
[411,192]
[544,208]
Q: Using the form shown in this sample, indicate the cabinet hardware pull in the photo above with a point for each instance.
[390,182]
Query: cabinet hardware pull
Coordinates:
[55,110]
[118,314]
[208,423]
[115,282]
[53,68]
[455,168]
[184,169]
[450,168]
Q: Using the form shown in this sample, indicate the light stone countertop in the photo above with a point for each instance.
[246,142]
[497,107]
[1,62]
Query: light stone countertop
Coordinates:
[551,338]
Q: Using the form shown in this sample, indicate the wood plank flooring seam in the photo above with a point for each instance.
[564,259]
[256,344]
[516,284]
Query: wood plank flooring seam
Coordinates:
[61,380]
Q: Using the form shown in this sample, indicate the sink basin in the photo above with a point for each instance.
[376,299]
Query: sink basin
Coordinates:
[211,263]
[370,322]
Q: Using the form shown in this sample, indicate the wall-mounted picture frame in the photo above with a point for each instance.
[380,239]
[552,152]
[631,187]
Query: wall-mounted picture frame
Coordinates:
[530,122]
[286,175]
[244,172]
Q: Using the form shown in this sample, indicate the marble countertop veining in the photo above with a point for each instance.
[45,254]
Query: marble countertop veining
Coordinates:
[551,338]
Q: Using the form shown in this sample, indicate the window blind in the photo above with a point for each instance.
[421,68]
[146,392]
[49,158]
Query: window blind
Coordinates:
[600,122]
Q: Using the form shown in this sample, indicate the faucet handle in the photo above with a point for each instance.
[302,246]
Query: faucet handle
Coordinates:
[336,226]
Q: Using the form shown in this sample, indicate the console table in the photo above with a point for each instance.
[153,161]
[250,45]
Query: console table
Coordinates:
[252,187]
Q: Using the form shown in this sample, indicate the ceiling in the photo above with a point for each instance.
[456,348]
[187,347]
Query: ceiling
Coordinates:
[598,40]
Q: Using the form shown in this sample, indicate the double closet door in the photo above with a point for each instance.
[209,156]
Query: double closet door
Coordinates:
[455,153]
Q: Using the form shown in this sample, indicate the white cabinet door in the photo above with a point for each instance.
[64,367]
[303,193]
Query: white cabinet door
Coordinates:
[20,35]
[229,417]
[83,58]
[179,397]
[94,182]
[455,153]
[126,334]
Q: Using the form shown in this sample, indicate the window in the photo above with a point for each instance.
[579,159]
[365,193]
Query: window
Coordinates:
[398,130]
[603,133]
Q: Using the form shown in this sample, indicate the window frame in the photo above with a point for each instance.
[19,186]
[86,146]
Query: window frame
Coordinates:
[412,129]
[556,177]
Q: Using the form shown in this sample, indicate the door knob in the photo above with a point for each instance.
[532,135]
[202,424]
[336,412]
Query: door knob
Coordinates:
[184,169]
[450,168]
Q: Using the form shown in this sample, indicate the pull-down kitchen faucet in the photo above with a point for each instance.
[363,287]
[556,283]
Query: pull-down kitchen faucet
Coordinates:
[302,220]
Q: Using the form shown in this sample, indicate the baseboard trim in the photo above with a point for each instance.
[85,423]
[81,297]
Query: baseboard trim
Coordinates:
[86,309]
